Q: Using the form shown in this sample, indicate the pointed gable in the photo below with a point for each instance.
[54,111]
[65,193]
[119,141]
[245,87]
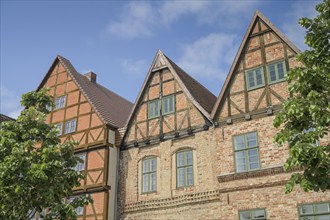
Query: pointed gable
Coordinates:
[249,87]
[170,101]
[110,107]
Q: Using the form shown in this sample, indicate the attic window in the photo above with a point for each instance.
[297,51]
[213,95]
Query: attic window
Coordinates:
[168,105]
[153,109]
[255,78]
[60,102]
[276,72]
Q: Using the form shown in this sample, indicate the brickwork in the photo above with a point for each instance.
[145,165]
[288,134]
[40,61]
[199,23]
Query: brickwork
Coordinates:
[219,189]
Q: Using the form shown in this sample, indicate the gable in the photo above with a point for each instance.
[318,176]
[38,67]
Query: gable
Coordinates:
[89,128]
[255,85]
[164,107]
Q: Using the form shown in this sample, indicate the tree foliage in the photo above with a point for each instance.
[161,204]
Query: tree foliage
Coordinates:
[305,118]
[36,170]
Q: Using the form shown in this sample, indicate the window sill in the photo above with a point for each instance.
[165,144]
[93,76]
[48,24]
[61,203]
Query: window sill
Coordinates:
[251,174]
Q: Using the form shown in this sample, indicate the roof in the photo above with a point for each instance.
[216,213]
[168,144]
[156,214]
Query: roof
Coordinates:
[5,118]
[201,97]
[201,94]
[257,15]
[110,107]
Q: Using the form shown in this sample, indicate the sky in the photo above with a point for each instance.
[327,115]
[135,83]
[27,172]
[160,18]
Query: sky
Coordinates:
[119,39]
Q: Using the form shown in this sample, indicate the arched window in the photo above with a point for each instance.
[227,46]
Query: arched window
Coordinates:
[184,168]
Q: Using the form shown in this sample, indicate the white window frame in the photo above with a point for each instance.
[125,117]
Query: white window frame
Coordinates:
[278,79]
[252,214]
[153,109]
[314,214]
[70,126]
[60,102]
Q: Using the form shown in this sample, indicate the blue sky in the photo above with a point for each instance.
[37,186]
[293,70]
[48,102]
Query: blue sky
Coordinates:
[119,39]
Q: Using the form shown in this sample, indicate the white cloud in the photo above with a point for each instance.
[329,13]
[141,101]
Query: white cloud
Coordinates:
[141,19]
[135,68]
[136,19]
[291,28]
[210,55]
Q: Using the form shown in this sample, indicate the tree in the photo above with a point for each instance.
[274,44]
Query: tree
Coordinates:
[305,117]
[36,170]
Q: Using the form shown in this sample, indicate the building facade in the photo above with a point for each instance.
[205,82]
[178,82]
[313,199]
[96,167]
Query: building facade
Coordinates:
[88,113]
[181,159]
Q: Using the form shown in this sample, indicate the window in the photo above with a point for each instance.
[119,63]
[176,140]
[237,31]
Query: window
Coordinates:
[80,165]
[70,126]
[49,108]
[149,175]
[168,105]
[80,209]
[153,109]
[276,72]
[42,214]
[59,126]
[259,214]
[246,152]
[317,211]
[255,78]
[184,168]
[60,102]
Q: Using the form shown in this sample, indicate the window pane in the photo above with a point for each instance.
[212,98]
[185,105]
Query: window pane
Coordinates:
[189,159]
[322,208]
[153,109]
[240,161]
[180,159]
[145,166]
[306,209]
[251,139]
[190,178]
[145,183]
[180,177]
[153,181]
[152,164]
[251,79]
[272,73]
[171,104]
[259,76]
[245,216]
[323,217]
[259,214]
[239,142]
[280,70]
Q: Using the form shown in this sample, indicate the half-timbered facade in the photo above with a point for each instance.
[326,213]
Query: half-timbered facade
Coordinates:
[88,113]
[180,159]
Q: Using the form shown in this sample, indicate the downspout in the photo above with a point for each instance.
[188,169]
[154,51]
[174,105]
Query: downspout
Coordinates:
[117,180]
